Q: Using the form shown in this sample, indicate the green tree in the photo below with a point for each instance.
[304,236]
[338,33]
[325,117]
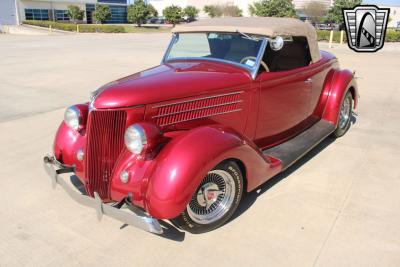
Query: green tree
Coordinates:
[101,13]
[213,10]
[75,13]
[273,8]
[315,11]
[152,10]
[230,10]
[173,14]
[191,12]
[138,12]
[335,13]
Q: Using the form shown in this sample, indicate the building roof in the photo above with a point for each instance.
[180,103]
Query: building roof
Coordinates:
[265,26]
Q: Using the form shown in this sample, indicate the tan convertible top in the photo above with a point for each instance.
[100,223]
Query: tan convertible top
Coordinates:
[265,26]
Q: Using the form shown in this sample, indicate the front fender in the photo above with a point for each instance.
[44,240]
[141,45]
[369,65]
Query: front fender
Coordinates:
[185,160]
[341,82]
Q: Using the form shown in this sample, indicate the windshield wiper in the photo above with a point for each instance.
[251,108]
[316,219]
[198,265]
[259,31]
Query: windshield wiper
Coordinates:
[247,36]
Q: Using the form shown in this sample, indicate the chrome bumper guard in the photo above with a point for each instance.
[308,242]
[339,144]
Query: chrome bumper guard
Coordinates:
[135,218]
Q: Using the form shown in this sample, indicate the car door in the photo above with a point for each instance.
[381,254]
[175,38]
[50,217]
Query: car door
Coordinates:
[285,92]
[284,101]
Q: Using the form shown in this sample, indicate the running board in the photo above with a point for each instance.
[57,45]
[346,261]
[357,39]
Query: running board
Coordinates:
[292,150]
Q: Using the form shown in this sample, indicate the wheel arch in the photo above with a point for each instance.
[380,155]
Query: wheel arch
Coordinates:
[184,162]
[340,83]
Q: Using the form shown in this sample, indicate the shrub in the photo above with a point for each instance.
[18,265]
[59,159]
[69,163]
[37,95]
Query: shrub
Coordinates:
[101,28]
[191,12]
[82,27]
[392,36]
[213,10]
[324,35]
[227,10]
[173,14]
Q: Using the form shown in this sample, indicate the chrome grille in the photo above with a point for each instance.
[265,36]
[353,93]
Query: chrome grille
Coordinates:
[105,141]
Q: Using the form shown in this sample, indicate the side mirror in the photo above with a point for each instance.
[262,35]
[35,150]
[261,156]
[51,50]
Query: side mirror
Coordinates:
[277,43]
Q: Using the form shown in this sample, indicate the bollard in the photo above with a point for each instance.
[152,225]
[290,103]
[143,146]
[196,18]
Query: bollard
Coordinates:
[50,29]
[341,36]
[331,39]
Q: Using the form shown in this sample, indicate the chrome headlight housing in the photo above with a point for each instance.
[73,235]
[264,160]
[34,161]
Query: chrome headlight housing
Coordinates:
[135,138]
[72,117]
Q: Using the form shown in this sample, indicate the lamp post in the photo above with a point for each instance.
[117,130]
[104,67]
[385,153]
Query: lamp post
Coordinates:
[17,12]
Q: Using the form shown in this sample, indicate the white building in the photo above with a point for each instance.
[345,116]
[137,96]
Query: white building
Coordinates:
[394,16]
[17,11]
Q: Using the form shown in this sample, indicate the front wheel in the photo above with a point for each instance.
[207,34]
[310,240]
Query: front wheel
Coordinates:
[214,201]
[346,110]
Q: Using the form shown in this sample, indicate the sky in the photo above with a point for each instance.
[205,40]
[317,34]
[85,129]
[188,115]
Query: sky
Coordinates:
[383,2]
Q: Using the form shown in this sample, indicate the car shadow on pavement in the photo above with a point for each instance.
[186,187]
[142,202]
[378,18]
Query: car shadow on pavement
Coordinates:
[251,197]
[169,231]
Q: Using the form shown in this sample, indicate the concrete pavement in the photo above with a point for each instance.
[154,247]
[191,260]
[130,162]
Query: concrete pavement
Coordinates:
[339,206]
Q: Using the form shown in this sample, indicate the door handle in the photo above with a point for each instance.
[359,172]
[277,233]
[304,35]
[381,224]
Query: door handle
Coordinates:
[309,80]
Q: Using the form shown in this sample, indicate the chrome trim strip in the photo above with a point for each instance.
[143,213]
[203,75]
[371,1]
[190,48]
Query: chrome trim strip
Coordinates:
[195,109]
[220,113]
[171,43]
[201,98]
[259,57]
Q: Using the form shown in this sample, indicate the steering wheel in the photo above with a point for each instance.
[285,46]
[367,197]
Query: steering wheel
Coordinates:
[254,58]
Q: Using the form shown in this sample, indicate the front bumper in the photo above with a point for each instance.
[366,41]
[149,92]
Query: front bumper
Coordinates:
[136,218]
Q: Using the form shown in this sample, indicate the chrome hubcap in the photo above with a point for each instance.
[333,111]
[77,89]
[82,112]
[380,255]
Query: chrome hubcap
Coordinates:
[213,198]
[344,113]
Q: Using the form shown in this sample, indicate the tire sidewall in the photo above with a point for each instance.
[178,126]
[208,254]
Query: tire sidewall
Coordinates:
[186,223]
[341,131]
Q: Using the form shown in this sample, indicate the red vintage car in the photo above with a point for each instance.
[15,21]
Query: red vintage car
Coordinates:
[234,102]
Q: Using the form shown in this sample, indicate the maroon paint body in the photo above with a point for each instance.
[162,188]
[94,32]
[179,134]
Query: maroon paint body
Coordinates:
[244,117]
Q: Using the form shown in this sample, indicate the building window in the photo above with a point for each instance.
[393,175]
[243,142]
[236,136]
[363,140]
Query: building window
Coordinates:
[118,14]
[36,14]
[61,15]
[113,1]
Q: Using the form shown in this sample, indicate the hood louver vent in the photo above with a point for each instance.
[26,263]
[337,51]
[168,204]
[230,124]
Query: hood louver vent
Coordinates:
[198,108]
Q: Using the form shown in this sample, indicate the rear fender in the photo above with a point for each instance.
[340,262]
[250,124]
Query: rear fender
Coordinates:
[341,81]
[185,161]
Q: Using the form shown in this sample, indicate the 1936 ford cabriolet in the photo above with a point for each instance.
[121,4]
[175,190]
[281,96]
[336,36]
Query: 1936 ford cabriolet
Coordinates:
[234,102]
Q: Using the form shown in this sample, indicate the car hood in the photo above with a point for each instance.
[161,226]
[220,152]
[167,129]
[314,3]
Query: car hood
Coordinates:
[169,81]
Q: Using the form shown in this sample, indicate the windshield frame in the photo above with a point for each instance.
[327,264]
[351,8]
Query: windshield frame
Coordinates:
[252,71]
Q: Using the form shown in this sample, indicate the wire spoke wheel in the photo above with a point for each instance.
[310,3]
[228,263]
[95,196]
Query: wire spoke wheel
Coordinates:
[213,199]
[345,113]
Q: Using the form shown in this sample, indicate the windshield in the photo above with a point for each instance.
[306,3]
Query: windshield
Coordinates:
[235,48]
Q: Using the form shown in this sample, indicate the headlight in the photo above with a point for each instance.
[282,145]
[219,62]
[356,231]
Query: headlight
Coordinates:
[135,139]
[142,137]
[72,117]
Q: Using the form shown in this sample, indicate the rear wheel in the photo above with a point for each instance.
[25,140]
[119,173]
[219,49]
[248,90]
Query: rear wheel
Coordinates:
[346,110]
[214,201]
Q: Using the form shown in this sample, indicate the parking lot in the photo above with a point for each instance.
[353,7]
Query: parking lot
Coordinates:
[339,206]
